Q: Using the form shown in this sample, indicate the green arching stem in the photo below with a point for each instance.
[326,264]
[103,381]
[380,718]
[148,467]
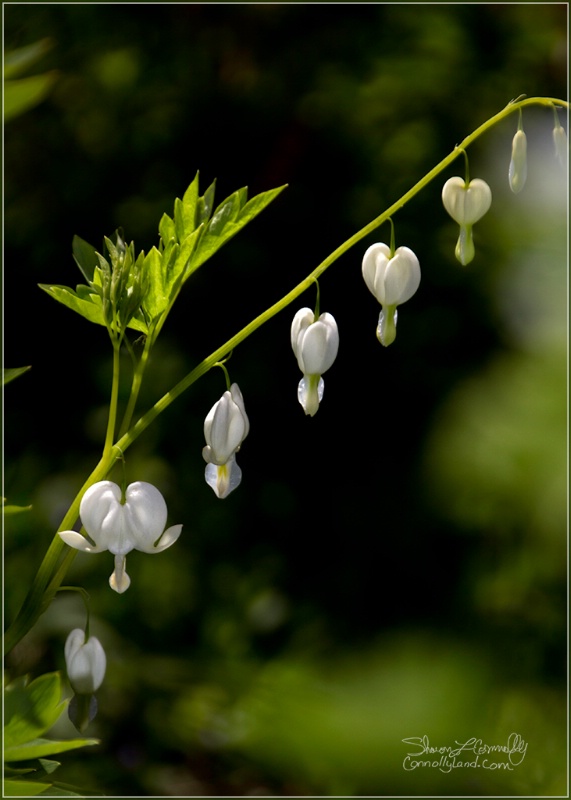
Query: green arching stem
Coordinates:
[50,575]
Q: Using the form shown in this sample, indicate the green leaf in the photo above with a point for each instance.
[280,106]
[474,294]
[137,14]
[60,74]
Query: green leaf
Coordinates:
[88,304]
[48,765]
[24,93]
[166,273]
[167,228]
[10,374]
[39,748]
[19,60]
[85,256]
[16,788]
[13,509]
[230,217]
[31,710]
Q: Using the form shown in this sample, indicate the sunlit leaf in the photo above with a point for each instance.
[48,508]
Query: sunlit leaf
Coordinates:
[19,60]
[39,748]
[16,788]
[31,710]
[10,374]
[85,257]
[88,305]
[24,93]
[230,217]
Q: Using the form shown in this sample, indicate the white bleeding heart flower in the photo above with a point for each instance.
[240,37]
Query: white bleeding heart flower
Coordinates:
[85,662]
[315,343]
[225,428]
[517,173]
[466,203]
[119,525]
[393,280]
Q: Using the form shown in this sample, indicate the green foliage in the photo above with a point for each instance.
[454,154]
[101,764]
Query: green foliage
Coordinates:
[187,240]
[30,710]
[11,374]
[21,94]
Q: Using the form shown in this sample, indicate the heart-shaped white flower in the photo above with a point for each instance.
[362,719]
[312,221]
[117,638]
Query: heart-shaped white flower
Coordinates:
[315,343]
[466,204]
[393,280]
[136,524]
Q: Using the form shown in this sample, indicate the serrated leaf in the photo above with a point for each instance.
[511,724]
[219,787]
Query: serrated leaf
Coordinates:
[39,748]
[85,256]
[16,788]
[226,223]
[10,374]
[31,710]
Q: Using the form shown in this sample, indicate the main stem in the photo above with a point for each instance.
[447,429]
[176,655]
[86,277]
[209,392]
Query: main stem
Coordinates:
[50,575]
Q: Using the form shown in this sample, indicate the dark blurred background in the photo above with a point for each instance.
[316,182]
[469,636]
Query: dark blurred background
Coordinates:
[393,567]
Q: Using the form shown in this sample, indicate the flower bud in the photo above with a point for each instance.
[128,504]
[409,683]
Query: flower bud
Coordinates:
[85,662]
[561,146]
[517,172]
[393,281]
[315,344]
[225,428]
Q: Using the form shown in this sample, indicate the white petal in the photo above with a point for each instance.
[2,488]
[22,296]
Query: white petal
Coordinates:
[466,204]
[169,537]
[102,515]
[79,542]
[223,478]
[319,345]
[301,321]
[119,581]
[374,263]
[402,277]
[228,429]
[74,641]
[145,515]
[85,662]
[239,400]
[310,393]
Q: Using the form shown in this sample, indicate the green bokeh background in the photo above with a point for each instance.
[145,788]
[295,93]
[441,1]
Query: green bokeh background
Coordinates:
[394,567]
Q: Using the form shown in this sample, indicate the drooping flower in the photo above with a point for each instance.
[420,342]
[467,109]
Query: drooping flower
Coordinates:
[315,343]
[135,523]
[393,281]
[466,203]
[85,662]
[517,172]
[225,428]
